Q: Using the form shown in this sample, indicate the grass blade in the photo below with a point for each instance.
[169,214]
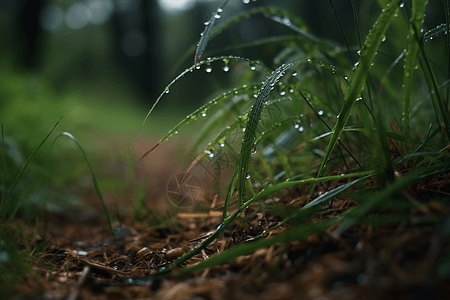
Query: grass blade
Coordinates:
[4,209]
[206,34]
[94,179]
[252,124]
[368,53]
[418,14]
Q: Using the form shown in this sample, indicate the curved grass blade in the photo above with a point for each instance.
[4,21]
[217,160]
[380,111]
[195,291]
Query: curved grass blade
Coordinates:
[368,53]
[432,33]
[188,70]
[438,103]
[24,167]
[94,179]
[412,49]
[201,46]
[252,123]
[267,11]
[197,113]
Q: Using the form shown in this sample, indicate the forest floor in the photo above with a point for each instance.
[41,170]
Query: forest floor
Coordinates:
[397,261]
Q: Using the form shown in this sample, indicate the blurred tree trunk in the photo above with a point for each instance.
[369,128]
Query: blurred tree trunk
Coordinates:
[29,34]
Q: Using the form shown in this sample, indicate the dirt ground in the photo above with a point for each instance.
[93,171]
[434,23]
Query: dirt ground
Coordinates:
[397,261]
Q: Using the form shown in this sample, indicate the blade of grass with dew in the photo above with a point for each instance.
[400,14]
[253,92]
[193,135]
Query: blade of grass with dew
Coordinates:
[197,114]
[356,86]
[206,34]
[412,49]
[266,11]
[252,123]
[181,75]
[439,106]
[4,208]
[295,233]
[94,179]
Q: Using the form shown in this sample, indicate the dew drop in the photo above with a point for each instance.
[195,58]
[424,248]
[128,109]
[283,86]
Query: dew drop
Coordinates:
[166,90]
[301,129]
[203,115]
[217,16]
[294,73]
[252,66]
[248,176]
[197,67]
[208,68]
[254,150]
[282,92]
[320,112]
[402,5]
[206,23]
[226,68]
[296,126]
[211,154]
[246,1]
[222,145]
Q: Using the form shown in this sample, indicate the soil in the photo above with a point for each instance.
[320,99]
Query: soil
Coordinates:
[397,261]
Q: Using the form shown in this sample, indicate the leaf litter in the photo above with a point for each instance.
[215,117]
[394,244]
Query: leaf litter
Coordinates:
[368,261]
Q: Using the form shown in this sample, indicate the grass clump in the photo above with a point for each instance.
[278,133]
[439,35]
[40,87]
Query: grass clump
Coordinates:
[337,123]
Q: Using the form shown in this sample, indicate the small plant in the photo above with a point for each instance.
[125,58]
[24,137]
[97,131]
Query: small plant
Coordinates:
[345,117]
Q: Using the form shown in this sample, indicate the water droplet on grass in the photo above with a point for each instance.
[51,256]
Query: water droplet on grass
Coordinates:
[248,176]
[225,68]
[208,68]
[294,73]
[252,66]
[166,90]
[320,112]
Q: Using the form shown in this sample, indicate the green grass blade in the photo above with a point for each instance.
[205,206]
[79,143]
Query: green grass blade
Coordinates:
[440,109]
[252,124]
[198,112]
[94,179]
[4,208]
[368,53]
[412,49]
[181,75]
[206,34]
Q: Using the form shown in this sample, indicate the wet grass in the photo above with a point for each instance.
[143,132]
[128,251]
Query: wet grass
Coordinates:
[370,131]
[376,126]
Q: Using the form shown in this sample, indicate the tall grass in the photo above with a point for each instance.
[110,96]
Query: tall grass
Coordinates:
[320,101]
